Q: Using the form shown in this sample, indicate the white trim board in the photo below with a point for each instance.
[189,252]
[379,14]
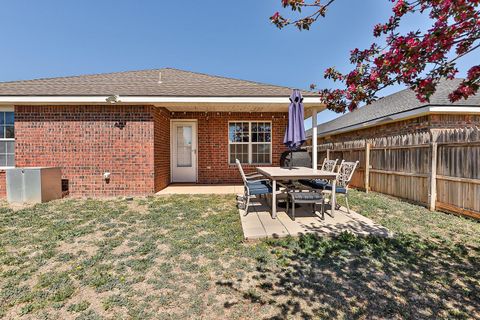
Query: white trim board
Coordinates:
[149,100]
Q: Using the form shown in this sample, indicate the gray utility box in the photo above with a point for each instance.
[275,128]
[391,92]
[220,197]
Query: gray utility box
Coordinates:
[34,185]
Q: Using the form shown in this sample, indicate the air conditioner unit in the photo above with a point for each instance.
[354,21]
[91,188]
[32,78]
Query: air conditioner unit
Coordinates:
[34,184]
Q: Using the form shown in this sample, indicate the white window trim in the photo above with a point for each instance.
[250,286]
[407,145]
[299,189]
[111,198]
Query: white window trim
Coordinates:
[8,109]
[250,143]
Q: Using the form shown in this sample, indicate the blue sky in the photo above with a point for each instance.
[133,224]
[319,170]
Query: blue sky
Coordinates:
[221,37]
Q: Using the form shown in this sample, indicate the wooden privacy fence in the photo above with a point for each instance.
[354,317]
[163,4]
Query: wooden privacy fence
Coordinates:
[438,168]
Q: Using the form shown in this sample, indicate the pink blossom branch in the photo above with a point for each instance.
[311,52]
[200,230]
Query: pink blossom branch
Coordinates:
[419,60]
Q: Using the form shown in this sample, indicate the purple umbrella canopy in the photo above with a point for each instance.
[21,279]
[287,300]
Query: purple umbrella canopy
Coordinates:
[295,133]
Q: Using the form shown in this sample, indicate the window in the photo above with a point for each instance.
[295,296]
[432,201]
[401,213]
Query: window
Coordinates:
[250,142]
[184,146]
[7,139]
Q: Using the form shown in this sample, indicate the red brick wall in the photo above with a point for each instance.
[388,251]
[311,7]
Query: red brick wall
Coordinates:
[213,166]
[87,141]
[161,148]
[131,142]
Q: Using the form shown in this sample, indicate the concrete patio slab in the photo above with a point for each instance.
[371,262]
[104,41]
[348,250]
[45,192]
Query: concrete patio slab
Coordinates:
[181,188]
[258,224]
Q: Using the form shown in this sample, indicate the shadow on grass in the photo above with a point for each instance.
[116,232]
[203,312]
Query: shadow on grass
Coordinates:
[367,277]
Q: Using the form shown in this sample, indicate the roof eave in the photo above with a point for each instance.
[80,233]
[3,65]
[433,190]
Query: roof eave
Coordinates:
[261,103]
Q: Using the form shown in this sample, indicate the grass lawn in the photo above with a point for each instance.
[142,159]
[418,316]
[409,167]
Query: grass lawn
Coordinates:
[183,257]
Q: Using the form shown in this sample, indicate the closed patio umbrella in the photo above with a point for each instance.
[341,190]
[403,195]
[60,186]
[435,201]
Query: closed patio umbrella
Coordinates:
[295,133]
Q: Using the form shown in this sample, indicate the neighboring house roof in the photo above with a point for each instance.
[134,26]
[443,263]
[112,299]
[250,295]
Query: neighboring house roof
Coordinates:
[165,82]
[395,104]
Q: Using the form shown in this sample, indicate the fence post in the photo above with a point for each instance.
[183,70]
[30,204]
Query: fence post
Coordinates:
[328,154]
[367,167]
[432,194]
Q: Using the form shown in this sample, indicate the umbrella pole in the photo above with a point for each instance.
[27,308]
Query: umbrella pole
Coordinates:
[291,159]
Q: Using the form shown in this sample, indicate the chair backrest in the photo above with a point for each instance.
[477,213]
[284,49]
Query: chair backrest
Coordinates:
[329,165]
[242,173]
[345,173]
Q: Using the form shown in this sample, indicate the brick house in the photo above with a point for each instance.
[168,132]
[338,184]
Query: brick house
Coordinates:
[146,128]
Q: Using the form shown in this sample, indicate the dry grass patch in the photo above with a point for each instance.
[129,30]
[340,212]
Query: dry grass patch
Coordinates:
[174,257]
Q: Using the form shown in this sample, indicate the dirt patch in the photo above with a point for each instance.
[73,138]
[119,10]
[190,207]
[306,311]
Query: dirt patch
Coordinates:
[94,298]
[137,206]
[124,248]
[85,244]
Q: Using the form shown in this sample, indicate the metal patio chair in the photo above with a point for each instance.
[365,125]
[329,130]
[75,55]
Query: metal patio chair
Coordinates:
[249,176]
[297,194]
[344,177]
[254,185]
[319,184]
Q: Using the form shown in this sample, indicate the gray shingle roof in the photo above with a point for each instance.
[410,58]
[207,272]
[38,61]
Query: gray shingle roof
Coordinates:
[399,102]
[174,82]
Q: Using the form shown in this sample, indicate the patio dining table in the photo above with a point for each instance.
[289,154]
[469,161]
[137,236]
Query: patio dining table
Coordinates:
[296,173]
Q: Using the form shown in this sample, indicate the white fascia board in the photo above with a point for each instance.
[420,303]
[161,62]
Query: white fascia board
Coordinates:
[405,115]
[455,109]
[50,99]
[149,100]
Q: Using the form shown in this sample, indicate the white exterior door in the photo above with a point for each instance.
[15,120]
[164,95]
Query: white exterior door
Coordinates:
[184,151]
